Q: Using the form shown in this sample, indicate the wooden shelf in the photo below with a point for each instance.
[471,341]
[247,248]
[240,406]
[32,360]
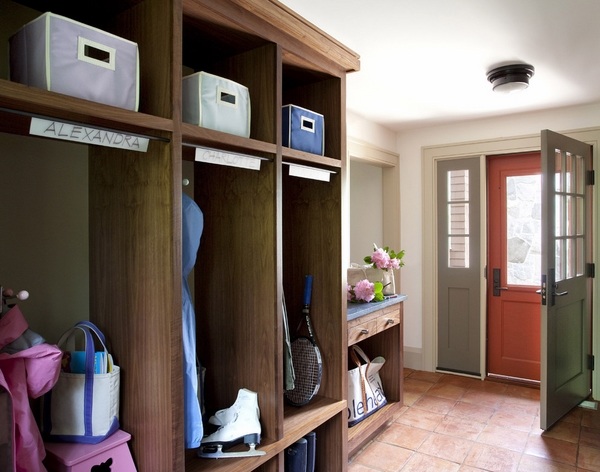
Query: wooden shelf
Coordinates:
[194,463]
[18,99]
[306,158]
[300,421]
[198,136]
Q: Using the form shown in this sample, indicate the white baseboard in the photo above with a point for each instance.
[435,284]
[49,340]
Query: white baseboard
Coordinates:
[413,358]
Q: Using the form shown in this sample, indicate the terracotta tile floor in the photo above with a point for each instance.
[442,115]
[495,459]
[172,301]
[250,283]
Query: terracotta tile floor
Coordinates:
[454,423]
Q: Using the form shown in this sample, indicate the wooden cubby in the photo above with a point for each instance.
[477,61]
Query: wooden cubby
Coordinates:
[264,230]
[378,328]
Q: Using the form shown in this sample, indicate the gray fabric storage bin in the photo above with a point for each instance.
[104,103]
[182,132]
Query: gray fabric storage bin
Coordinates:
[58,54]
[216,103]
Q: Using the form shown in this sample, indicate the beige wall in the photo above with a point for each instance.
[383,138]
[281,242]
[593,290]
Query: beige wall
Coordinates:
[366,209]
[44,230]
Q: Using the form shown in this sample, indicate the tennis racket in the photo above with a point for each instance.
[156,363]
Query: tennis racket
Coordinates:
[306,358]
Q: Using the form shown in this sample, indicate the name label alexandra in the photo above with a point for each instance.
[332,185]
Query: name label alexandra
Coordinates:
[86,135]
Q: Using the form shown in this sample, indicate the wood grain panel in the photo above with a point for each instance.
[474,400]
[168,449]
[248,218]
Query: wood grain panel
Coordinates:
[135,253]
[235,290]
[150,23]
[131,296]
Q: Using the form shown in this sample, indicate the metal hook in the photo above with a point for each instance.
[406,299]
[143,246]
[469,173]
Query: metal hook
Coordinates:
[8,293]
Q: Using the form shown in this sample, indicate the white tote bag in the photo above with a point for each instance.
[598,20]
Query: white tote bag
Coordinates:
[84,407]
[365,391]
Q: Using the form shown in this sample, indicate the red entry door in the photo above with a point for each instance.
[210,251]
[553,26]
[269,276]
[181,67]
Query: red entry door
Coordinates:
[514,266]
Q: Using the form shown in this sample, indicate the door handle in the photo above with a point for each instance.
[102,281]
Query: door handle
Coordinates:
[496,282]
[559,294]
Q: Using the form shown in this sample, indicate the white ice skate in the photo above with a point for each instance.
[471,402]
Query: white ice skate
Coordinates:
[245,399]
[239,424]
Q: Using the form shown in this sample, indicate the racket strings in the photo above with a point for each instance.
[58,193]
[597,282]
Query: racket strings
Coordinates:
[308,367]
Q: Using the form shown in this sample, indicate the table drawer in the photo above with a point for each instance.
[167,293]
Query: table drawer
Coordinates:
[362,331]
[388,320]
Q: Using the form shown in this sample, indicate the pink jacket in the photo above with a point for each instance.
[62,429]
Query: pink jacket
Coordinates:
[26,374]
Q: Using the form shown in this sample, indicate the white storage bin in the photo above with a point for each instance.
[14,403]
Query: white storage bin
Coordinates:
[216,103]
[303,129]
[64,56]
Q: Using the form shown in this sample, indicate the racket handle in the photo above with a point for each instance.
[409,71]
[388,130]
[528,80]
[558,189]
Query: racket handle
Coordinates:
[307,289]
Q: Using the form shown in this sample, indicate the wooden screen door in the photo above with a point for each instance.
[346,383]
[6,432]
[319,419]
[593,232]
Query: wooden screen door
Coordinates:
[514,266]
[566,284]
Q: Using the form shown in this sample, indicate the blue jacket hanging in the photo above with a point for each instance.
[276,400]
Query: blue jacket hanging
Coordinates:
[192,226]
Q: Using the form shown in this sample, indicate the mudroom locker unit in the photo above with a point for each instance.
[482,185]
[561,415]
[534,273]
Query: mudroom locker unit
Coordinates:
[263,229]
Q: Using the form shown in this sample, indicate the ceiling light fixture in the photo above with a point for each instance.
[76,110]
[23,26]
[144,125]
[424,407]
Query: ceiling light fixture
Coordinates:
[511,78]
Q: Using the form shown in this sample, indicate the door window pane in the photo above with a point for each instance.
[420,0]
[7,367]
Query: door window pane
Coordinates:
[558,184]
[571,216]
[580,215]
[569,227]
[458,185]
[458,206]
[523,229]
[458,218]
[580,170]
[458,252]
[559,272]
[580,257]
[571,256]
[570,174]
[558,218]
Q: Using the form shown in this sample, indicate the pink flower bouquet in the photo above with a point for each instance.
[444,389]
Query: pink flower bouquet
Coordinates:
[384,258]
[365,292]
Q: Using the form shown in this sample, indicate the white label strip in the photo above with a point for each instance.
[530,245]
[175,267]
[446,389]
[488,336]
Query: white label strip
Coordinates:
[214,156]
[309,172]
[85,135]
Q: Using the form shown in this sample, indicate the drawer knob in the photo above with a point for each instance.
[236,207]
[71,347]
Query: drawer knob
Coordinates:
[389,321]
[364,331]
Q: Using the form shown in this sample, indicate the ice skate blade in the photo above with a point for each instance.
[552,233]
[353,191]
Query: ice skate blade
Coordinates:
[216,452]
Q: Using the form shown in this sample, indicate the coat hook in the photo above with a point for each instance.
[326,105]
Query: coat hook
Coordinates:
[9,293]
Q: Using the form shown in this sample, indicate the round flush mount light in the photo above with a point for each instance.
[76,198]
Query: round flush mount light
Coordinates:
[511,78]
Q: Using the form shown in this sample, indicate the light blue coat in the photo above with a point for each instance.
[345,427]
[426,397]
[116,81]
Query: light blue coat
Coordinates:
[192,222]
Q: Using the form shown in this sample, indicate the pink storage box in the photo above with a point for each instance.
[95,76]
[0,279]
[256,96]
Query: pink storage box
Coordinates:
[112,454]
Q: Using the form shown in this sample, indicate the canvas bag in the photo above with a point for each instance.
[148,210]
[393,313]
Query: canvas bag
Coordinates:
[356,273]
[83,408]
[365,391]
